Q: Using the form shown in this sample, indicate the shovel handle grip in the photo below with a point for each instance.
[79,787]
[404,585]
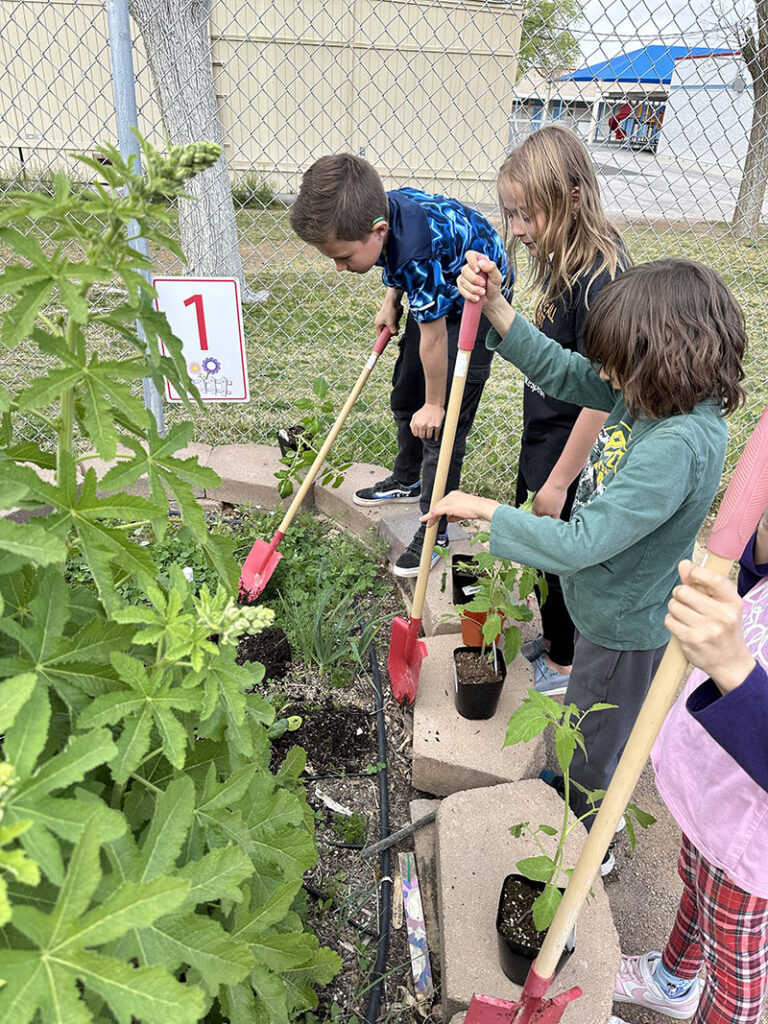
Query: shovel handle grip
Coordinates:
[382,341]
[745,498]
[470,322]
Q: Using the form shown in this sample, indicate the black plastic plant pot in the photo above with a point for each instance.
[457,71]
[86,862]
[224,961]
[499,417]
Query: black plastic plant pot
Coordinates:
[475,700]
[463,578]
[288,437]
[516,957]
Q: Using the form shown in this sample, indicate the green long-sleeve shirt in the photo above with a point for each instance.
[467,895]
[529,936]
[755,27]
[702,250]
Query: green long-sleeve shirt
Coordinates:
[643,501]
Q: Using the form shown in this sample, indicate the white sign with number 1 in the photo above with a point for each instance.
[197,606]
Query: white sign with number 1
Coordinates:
[205,313]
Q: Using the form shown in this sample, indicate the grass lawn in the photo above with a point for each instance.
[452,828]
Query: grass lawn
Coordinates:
[320,323]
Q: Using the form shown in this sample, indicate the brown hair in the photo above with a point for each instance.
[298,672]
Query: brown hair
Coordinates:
[339,199]
[548,166]
[671,335]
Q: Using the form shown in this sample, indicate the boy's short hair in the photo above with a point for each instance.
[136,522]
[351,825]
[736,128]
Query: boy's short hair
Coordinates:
[339,199]
[672,335]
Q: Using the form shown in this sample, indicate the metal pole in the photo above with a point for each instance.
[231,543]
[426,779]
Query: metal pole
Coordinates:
[127,118]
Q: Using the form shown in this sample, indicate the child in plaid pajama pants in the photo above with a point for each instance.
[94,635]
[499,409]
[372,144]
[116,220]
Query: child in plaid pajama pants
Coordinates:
[711,762]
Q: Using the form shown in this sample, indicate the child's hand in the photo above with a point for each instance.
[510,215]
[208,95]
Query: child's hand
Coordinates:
[549,500]
[427,421]
[458,505]
[471,284]
[705,614]
[390,313]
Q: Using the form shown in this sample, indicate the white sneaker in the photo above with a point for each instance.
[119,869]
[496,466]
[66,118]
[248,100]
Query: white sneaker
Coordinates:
[635,983]
[616,1020]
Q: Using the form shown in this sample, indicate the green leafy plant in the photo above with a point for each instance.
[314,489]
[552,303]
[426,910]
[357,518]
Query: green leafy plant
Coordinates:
[536,714]
[501,592]
[253,190]
[150,861]
[350,828]
[324,628]
[316,420]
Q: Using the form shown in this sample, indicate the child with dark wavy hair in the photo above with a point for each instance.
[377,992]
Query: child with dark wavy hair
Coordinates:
[664,348]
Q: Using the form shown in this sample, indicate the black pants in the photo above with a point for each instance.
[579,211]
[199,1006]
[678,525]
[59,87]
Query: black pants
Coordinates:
[417,457]
[556,624]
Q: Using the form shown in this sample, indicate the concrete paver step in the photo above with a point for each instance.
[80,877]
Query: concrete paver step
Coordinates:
[474,853]
[451,753]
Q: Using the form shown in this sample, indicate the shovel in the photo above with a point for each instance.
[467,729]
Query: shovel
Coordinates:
[406,651]
[744,502]
[263,558]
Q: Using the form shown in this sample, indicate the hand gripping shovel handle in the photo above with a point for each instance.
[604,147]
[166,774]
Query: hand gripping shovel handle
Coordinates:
[381,343]
[470,322]
[745,499]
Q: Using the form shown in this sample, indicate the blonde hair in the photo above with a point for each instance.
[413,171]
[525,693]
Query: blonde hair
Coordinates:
[548,167]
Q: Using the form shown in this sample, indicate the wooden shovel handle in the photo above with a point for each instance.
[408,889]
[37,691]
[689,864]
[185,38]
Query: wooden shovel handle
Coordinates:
[468,328]
[745,499]
[314,469]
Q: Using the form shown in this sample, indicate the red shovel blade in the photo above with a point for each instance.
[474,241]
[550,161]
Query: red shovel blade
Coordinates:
[531,1009]
[258,568]
[406,653]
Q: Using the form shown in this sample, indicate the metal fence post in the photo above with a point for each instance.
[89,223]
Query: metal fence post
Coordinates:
[127,118]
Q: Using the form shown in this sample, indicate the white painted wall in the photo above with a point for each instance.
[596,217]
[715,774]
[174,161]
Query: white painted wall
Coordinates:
[706,119]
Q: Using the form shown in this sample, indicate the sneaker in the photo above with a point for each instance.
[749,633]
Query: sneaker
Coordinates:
[616,1020]
[408,563]
[533,649]
[546,680]
[555,780]
[635,983]
[608,863]
[387,492]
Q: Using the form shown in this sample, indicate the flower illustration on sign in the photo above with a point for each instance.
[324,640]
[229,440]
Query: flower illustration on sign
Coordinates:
[195,367]
[211,365]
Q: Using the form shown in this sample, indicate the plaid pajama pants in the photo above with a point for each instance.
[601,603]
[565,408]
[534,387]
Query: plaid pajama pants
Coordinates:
[720,926]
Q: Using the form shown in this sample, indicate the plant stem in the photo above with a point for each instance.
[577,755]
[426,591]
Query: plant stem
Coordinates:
[67,425]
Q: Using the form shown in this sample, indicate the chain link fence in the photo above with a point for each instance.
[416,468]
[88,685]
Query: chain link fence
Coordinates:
[433,93]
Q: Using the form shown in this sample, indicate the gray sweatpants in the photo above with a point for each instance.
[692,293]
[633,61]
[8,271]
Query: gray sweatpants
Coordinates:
[613,677]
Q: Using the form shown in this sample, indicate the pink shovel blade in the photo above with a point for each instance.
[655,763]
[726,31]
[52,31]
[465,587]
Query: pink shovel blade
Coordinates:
[257,569]
[406,653]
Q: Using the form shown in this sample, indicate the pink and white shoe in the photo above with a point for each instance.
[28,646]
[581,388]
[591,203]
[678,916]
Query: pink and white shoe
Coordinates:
[635,983]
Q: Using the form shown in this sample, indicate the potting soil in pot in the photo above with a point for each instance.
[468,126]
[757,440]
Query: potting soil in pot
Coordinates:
[515,921]
[471,668]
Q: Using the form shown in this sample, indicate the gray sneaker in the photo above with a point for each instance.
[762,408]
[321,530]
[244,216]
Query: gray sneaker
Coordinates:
[533,649]
[389,491]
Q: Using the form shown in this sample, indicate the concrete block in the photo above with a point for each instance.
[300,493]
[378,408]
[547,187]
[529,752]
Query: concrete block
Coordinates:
[451,753]
[424,847]
[474,853]
[247,474]
[337,502]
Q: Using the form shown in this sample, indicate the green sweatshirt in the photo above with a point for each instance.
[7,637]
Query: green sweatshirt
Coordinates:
[638,509]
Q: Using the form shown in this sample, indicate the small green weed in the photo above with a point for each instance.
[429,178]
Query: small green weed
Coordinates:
[350,828]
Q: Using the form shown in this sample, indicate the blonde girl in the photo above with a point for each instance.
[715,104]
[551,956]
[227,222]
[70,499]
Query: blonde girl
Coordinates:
[550,204]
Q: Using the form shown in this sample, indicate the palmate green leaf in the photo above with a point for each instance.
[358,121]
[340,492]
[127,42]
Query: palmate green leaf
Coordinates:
[168,829]
[14,693]
[300,981]
[25,738]
[18,320]
[45,978]
[29,542]
[218,875]
[190,938]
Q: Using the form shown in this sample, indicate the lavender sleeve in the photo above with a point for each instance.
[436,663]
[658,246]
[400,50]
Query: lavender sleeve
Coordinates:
[749,573]
[737,720]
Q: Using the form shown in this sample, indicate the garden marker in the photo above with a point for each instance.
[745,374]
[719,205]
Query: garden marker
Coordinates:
[745,500]
[263,558]
[406,651]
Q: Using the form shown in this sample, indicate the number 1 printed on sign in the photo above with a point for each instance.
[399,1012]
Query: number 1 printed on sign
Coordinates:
[198,303]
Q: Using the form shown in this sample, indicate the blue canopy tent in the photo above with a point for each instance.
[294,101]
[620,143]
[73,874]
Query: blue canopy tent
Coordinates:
[638,124]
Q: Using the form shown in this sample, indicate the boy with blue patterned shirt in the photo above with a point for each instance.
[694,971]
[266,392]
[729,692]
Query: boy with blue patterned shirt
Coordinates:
[420,241]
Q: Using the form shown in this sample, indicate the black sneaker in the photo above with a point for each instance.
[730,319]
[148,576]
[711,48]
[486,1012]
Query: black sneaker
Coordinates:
[386,491]
[408,563]
[609,862]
